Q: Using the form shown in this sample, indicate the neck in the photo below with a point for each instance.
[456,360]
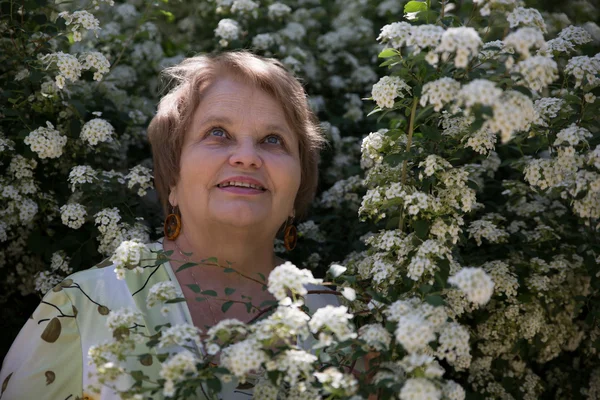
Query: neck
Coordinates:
[248,253]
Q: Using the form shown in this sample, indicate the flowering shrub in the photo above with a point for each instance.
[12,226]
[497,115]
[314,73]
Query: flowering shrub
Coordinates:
[477,271]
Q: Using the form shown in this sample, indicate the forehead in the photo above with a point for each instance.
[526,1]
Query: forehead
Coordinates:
[232,96]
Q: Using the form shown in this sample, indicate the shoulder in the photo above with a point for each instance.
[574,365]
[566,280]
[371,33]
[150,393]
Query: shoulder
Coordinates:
[322,297]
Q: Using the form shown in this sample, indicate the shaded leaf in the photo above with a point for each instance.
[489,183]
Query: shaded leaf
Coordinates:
[186,266]
[226,306]
[209,293]
[435,300]
[175,300]
[146,359]
[195,288]
[52,331]
[229,291]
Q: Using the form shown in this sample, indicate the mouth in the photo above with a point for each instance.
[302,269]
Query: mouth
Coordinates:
[241,185]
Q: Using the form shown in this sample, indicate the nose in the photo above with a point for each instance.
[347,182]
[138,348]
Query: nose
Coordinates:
[245,154]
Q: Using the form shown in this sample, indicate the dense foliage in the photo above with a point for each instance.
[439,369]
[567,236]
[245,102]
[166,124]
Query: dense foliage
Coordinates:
[462,229]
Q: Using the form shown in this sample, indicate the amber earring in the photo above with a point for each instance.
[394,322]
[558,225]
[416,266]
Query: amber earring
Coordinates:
[290,236]
[172,227]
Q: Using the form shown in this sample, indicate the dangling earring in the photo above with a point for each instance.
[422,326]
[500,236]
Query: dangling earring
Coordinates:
[172,226]
[290,236]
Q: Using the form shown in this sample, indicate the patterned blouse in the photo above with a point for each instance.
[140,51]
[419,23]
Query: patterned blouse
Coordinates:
[48,359]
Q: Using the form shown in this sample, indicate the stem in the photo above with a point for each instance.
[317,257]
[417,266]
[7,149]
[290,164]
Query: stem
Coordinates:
[411,128]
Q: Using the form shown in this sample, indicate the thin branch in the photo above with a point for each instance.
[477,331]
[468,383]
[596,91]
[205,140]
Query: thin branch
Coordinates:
[147,280]
[411,127]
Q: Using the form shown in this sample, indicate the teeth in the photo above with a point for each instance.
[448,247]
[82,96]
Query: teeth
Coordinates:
[241,184]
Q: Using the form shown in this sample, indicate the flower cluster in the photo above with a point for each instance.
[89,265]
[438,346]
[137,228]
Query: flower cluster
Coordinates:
[46,142]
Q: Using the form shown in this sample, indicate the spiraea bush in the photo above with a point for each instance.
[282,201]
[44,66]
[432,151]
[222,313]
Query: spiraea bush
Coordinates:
[464,227]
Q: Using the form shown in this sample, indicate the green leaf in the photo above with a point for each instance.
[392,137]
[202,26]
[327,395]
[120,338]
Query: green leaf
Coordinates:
[200,298]
[267,303]
[168,15]
[211,260]
[228,270]
[395,159]
[414,6]
[226,306]
[248,307]
[386,53]
[421,228]
[195,288]
[425,288]
[430,132]
[209,293]
[262,277]
[186,266]
[176,300]
[435,300]
[214,384]
[229,291]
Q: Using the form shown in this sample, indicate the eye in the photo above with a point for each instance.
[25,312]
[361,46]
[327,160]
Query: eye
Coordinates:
[217,132]
[274,139]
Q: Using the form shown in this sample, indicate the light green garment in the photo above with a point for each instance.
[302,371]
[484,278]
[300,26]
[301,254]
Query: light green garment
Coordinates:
[48,359]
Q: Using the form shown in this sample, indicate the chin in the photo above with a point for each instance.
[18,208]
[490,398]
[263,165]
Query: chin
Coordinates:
[241,216]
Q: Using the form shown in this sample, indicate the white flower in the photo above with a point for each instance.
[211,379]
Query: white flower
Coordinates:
[243,6]
[67,64]
[572,135]
[575,34]
[81,174]
[453,391]
[488,230]
[73,215]
[585,70]
[388,89]
[439,92]
[454,345]
[124,318]
[414,332]
[97,130]
[46,142]
[227,30]
[475,283]
[349,293]
[129,255]
[376,336]
[278,10]
[420,389]
[523,39]
[478,91]
[296,364]
[46,280]
[288,276]
[547,108]
[162,292]
[177,368]
[395,34]
[141,176]
[522,16]
[60,262]
[332,319]
[538,72]
[95,61]
[463,41]
[243,357]
[80,21]
[180,335]
[263,41]
[331,378]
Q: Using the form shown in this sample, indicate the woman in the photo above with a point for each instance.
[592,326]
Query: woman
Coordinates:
[235,149]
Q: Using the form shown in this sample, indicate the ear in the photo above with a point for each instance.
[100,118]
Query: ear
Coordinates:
[173,197]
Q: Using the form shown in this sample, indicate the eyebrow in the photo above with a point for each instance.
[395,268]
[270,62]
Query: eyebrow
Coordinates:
[215,120]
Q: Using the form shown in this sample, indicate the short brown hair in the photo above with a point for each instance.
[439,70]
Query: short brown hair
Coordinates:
[192,76]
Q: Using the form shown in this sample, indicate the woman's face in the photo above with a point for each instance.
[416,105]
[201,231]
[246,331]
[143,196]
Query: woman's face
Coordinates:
[238,131]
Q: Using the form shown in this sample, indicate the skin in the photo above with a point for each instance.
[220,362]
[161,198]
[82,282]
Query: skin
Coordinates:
[237,129]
